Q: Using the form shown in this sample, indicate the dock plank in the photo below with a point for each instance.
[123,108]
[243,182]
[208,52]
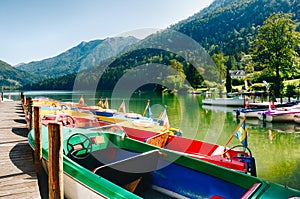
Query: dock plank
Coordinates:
[17,175]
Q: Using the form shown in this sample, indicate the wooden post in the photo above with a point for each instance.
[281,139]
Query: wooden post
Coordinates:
[37,125]
[30,113]
[2,96]
[23,99]
[55,166]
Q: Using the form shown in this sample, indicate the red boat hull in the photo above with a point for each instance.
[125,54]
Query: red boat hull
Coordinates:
[195,148]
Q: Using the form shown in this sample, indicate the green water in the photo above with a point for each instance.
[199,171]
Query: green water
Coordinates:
[276,147]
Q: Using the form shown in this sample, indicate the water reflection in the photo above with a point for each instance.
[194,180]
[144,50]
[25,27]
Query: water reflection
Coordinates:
[289,127]
[275,146]
[277,155]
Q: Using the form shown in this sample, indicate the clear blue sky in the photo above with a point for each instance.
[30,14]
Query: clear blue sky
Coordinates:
[33,30]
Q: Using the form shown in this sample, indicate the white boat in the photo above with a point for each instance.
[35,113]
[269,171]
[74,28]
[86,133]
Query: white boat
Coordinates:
[218,108]
[276,104]
[225,101]
[248,113]
[143,123]
[133,115]
[279,115]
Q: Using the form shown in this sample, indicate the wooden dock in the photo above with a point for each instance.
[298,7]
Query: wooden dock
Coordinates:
[17,174]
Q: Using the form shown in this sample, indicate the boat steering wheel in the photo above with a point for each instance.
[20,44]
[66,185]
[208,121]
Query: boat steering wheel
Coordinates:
[67,120]
[226,154]
[79,146]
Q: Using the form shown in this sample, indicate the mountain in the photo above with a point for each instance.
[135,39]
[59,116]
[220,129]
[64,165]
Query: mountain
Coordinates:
[232,24]
[80,57]
[11,77]
[226,26]
[214,6]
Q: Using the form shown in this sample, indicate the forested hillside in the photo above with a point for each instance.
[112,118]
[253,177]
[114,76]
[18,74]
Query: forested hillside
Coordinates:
[11,78]
[224,29]
[231,28]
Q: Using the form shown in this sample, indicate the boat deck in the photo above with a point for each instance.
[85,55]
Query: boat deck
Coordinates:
[17,174]
[129,124]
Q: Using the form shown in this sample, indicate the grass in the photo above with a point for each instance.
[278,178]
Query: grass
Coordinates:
[287,82]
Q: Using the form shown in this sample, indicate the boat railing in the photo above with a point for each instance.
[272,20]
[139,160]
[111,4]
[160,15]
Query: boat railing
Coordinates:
[251,191]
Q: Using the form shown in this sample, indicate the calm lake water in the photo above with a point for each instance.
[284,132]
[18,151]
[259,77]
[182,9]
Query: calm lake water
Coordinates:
[276,147]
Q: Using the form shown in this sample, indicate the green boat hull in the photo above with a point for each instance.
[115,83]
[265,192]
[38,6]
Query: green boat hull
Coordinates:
[174,175]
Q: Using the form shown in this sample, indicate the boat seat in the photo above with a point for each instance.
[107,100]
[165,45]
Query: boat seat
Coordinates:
[89,162]
[158,140]
[99,158]
[216,197]
[218,151]
[128,172]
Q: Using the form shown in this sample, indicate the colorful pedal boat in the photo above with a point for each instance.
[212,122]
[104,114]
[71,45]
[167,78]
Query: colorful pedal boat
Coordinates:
[105,163]
[232,158]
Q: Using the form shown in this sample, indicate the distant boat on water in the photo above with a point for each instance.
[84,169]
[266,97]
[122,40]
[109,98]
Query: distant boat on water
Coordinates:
[276,104]
[280,114]
[218,108]
[248,113]
[225,101]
